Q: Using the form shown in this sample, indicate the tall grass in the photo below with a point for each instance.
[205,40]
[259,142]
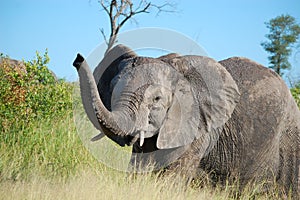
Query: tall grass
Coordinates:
[90,185]
[49,161]
[49,148]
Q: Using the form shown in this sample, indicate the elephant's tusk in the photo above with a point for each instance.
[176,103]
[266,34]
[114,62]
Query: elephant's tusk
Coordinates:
[97,137]
[142,137]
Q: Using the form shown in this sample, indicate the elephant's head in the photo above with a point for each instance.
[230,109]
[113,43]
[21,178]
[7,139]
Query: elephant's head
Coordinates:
[175,98]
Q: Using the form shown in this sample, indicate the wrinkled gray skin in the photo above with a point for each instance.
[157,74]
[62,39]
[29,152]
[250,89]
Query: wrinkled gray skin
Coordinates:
[234,119]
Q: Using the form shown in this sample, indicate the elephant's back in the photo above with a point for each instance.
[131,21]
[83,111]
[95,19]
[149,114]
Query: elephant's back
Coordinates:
[248,73]
[256,82]
[262,90]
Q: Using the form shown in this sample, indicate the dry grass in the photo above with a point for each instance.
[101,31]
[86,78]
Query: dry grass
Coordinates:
[103,185]
[111,184]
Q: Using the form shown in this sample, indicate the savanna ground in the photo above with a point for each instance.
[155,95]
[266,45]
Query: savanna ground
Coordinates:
[43,156]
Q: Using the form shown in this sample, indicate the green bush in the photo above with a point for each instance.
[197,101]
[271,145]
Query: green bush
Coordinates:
[37,133]
[296,93]
[29,91]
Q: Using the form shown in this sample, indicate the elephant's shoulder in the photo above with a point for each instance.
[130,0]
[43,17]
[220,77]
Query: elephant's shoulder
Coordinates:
[239,67]
[248,73]
[258,85]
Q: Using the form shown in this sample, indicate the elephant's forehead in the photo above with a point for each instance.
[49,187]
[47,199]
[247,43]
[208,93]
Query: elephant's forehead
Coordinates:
[157,89]
[149,73]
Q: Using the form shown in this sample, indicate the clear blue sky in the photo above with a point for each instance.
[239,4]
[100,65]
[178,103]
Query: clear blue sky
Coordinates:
[224,28]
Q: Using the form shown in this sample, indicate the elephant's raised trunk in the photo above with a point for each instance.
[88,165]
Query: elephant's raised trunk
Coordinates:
[112,124]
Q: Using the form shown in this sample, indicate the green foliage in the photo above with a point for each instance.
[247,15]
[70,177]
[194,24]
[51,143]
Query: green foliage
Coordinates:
[284,32]
[37,132]
[38,71]
[296,93]
[29,92]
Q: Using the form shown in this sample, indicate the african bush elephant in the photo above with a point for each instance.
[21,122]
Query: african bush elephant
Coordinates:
[234,119]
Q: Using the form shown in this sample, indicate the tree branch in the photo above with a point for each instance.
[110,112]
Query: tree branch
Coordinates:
[103,34]
[166,7]
[120,11]
[104,7]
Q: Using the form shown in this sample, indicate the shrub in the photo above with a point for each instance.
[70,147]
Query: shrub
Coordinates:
[296,93]
[29,91]
[37,131]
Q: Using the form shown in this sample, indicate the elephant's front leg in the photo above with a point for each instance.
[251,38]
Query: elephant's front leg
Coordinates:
[186,168]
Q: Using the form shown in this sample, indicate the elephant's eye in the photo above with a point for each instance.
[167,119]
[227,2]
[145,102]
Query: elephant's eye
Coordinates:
[157,98]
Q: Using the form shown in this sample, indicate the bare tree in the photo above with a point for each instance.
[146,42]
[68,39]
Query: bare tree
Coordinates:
[121,11]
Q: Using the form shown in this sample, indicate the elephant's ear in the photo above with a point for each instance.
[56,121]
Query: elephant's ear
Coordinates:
[204,99]
[181,123]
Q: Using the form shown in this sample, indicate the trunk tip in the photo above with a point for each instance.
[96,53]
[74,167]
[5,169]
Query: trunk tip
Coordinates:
[78,60]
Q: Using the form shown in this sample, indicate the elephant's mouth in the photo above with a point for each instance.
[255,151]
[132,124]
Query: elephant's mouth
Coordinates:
[128,139]
[141,135]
